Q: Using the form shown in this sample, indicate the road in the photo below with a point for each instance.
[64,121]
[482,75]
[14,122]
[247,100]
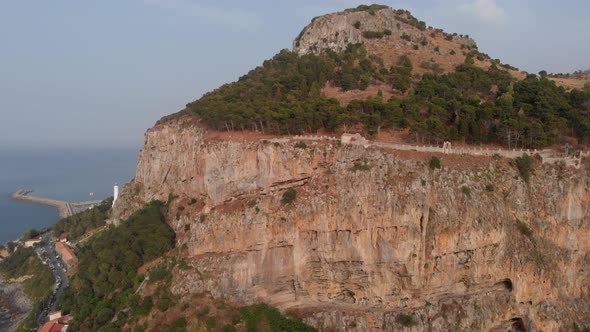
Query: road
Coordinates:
[50,257]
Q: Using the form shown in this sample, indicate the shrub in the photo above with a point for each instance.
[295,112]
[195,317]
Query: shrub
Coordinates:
[424,42]
[187,227]
[192,201]
[301,145]
[434,163]
[179,325]
[357,24]
[525,166]
[228,328]
[211,323]
[452,52]
[405,320]
[289,196]
[437,49]
[489,188]
[158,273]
[407,37]
[202,218]
[415,47]
[203,312]
[252,203]
[373,34]
[449,37]
[466,191]
[165,302]
[524,229]
[257,316]
[171,197]
[387,32]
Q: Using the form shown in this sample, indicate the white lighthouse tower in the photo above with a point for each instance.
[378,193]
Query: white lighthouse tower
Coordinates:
[115,193]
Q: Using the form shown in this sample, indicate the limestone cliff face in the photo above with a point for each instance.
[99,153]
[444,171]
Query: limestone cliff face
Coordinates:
[371,237]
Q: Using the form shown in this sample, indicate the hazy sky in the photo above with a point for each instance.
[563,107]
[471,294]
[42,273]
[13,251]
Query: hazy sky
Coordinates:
[99,73]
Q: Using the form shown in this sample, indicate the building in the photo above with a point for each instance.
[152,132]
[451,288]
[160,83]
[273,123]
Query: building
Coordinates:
[54,315]
[31,242]
[63,238]
[59,324]
[67,255]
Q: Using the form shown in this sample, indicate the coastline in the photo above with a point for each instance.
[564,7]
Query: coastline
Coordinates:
[15,302]
[65,209]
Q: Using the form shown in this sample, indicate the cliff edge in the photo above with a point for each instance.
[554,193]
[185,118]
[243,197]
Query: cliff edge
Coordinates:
[372,239]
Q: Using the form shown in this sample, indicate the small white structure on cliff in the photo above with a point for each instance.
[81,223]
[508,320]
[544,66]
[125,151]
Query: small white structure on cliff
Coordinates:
[115,193]
[354,139]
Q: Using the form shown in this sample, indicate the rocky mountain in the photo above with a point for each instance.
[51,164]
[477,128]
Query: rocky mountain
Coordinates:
[373,239]
[352,237]
[389,34]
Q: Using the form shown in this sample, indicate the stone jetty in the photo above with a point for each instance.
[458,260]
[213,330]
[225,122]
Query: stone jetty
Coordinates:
[65,209]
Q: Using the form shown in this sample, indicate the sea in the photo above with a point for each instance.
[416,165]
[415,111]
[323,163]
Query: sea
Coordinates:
[63,174]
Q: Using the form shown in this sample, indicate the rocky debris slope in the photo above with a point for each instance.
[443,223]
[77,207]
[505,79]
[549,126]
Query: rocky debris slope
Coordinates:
[14,305]
[372,241]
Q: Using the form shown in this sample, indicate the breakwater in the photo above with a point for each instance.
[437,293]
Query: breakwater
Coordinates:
[65,209]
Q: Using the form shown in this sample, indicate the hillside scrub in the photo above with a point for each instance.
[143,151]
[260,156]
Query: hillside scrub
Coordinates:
[79,224]
[525,166]
[106,277]
[284,96]
[289,196]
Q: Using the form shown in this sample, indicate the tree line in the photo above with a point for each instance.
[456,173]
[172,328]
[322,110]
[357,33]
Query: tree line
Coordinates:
[284,96]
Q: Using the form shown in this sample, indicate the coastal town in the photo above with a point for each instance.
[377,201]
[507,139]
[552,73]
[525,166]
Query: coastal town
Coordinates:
[58,254]
[55,252]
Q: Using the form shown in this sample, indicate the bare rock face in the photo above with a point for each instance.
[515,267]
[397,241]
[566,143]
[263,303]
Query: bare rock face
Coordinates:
[371,242]
[336,31]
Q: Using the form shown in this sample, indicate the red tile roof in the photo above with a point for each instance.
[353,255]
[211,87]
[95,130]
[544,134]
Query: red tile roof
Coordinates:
[65,251]
[52,326]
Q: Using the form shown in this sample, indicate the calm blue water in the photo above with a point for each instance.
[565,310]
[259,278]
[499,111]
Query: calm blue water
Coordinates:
[61,174]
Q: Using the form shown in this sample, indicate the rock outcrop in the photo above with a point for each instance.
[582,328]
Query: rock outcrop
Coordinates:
[336,31]
[373,241]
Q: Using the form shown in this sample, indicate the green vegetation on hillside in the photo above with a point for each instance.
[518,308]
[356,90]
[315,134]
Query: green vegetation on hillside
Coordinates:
[364,8]
[373,34]
[284,96]
[259,316]
[38,284]
[106,277]
[82,222]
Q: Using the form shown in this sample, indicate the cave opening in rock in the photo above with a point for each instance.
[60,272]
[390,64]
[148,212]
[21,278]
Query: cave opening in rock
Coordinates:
[507,283]
[517,324]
